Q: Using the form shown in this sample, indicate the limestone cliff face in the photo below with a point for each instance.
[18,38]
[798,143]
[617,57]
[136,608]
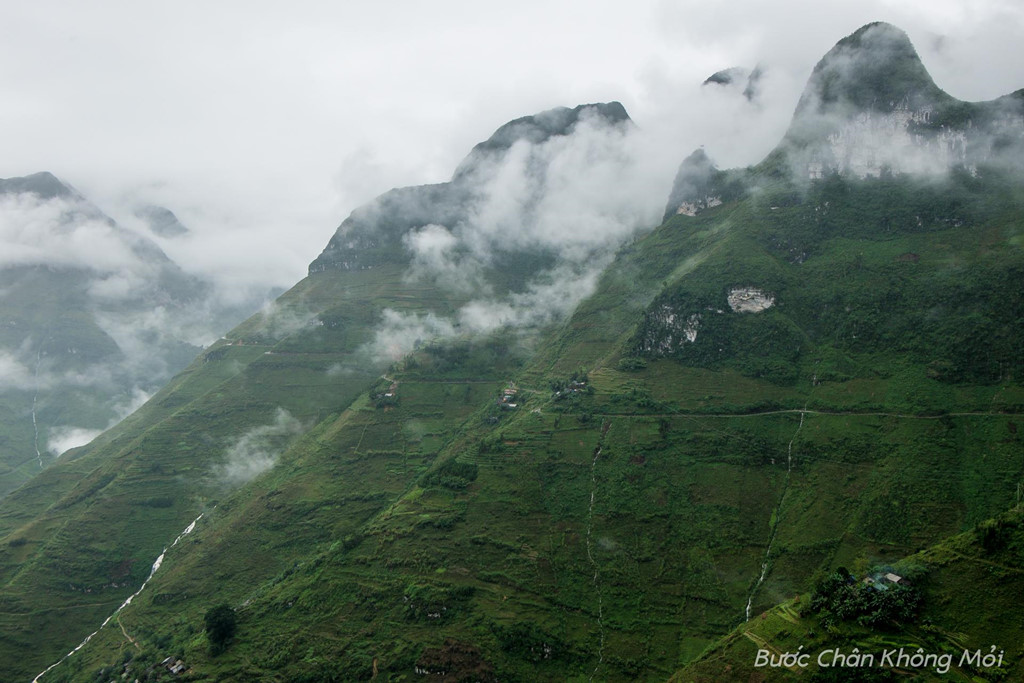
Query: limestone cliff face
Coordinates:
[870,107]
[372,235]
[669,326]
[667,329]
[694,188]
[873,142]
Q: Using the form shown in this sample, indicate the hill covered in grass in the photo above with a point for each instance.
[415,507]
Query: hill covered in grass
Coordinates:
[806,374]
[949,623]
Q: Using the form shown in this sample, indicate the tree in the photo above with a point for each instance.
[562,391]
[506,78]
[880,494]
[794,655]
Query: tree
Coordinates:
[220,627]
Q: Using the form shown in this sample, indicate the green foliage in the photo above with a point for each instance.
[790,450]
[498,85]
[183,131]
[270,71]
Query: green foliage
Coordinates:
[995,534]
[577,382]
[220,623]
[850,274]
[452,474]
[641,398]
[529,642]
[842,597]
[432,603]
[871,411]
[632,364]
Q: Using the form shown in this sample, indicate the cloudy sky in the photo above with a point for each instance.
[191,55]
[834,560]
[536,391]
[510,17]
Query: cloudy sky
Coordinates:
[262,124]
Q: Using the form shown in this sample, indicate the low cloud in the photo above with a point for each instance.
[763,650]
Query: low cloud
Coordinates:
[531,229]
[257,450]
[63,439]
[240,189]
[59,232]
[574,194]
[577,197]
[339,370]
[89,304]
[14,374]
[907,125]
[400,333]
[549,298]
[574,200]
[131,402]
[438,256]
[280,321]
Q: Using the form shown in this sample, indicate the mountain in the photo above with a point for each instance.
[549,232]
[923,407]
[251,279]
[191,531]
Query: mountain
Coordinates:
[736,76]
[299,363]
[968,578]
[43,185]
[871,107]
[803,375]
[373,235]
[161,221]
[93,317]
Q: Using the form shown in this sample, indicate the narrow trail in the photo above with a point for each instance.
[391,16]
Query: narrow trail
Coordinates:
[128,636]
[827,413]
[1004,567]
[778,516]
[590,555]
[156,565]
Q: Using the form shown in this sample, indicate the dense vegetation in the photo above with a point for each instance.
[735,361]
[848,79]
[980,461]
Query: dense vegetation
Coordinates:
[220,623]
[841,597]
[643,509]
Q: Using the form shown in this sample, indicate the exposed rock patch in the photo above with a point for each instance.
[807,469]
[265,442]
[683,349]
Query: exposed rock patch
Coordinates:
[749,300]
[669,329]
[692,208]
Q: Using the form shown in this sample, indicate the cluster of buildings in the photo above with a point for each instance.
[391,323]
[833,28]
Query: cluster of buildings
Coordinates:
[508,397]
[885,580]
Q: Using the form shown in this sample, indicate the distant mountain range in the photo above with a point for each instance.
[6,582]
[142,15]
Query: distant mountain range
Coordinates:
[93,318]
[726,436]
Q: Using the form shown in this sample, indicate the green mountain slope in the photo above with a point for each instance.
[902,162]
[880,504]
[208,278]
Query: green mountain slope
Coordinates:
[964,585]
[806,373]
[84,534]
[692,486]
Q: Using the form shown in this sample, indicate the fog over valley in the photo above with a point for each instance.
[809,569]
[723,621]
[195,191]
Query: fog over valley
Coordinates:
[575,341]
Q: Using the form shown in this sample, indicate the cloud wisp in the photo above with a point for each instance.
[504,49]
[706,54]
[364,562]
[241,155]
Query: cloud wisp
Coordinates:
[257,450]
[94,315]
[531,223]
[871,108]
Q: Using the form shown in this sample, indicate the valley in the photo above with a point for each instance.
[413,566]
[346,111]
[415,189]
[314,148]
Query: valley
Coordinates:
[715,432]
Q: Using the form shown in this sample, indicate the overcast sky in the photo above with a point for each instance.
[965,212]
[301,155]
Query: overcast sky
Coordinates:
[262,124]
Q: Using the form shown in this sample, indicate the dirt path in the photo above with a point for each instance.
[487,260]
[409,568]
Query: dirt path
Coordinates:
[802,411]
[765,645]
[778,517]
[126,635]
[590,555]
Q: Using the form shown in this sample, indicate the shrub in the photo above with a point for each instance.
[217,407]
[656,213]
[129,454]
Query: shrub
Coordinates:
[221,623]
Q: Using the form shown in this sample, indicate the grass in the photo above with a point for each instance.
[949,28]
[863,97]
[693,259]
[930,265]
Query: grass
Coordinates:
[620,531]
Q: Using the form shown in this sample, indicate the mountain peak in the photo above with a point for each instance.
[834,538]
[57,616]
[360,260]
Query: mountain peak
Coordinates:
[539,128]
[870,107]
[692,187]
[727,76]
[553,122]
[44,184]
[373,234]
[737,76]
[161,220]
[875,68]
